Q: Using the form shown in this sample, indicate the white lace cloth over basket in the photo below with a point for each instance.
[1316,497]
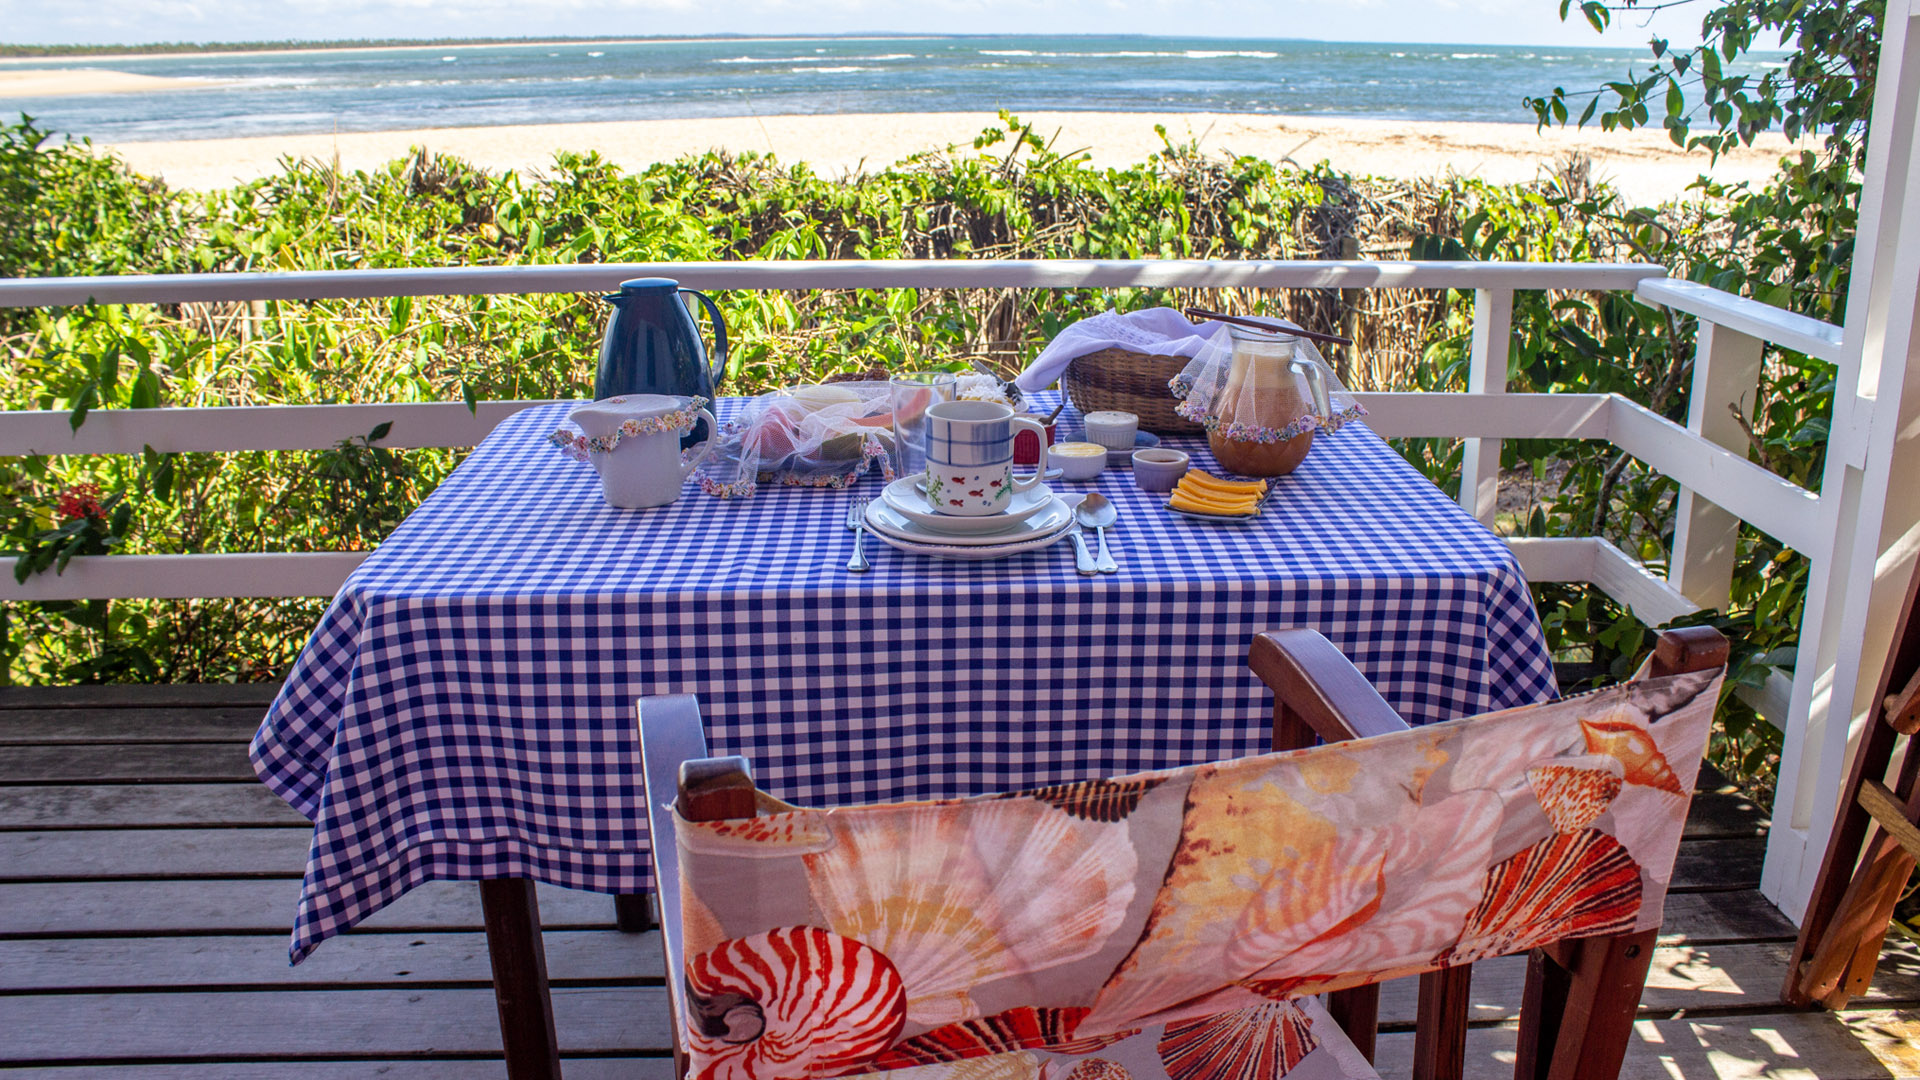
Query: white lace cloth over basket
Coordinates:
[1260,399]
[1153,331]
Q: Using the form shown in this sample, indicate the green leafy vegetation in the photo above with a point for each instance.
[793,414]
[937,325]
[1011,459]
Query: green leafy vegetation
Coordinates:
[1788,243]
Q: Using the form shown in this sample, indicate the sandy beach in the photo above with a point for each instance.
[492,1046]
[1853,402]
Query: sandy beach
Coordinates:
[59,82]
[1643,164]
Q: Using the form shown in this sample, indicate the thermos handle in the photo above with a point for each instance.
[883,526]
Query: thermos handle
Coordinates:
[719,336]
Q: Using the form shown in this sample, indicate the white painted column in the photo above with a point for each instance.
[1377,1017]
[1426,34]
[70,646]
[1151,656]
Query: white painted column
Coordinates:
[1486,374]
[1871,492]
[1726,372]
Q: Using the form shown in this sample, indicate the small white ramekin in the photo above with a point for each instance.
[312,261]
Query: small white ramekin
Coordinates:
[1113,430]
[1078,460]
[1158,469]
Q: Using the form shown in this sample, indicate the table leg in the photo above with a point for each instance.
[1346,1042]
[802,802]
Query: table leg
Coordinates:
[520,979]
[633,913]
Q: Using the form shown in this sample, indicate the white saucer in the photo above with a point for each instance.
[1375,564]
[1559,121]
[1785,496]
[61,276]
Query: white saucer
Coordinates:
[885,519]
[904,495]
[978,552]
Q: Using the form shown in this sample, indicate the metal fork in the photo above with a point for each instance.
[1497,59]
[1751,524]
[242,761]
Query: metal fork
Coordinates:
[857,521]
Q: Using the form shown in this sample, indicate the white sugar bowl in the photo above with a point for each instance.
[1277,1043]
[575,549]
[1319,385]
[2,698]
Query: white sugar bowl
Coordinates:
[1112,429]
[633,441]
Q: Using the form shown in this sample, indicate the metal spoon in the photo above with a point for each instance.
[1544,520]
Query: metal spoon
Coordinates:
[1096,513]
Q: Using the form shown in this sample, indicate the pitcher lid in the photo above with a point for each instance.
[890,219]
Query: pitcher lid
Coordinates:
[642,284]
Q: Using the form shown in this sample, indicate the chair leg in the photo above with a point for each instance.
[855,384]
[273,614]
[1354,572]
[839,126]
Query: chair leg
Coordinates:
[633,913]
[1357,1011]
[512,914]
[1440,1034]
[1842,965]
[1542,1004]
[1576,1020]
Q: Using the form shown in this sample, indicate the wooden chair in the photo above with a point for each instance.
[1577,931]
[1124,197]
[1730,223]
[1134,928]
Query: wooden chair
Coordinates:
[1875,841]
[1178,924]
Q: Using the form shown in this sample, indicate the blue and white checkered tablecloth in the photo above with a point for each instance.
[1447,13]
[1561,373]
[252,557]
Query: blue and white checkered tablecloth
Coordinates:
[465,709]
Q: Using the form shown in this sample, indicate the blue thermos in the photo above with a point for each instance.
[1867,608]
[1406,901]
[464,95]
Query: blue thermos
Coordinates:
[653,347]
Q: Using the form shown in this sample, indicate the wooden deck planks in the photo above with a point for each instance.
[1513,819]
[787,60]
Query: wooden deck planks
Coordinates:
[135,806]
[95,854]
[201,695]
[293,1023]
[596,1068]
[22,727]
[351,961]
[1715,979]
[1856,1045]
[1704,917]
[252,906]
[147,882]
[126,763]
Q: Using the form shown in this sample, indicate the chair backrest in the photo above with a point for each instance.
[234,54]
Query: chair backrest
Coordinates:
[1197,903]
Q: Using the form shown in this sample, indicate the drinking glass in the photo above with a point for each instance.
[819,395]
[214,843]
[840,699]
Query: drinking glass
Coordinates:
[915,392]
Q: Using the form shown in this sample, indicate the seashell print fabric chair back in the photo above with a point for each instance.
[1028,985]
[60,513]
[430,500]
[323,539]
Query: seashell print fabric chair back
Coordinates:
[1176,924]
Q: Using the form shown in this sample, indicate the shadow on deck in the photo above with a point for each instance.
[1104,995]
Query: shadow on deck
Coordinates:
[147,887]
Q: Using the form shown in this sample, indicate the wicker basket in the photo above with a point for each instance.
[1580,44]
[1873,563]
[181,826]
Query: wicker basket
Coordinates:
[1129,382]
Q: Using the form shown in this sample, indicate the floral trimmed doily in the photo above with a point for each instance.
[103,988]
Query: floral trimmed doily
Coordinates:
[678,420]
[1254,433]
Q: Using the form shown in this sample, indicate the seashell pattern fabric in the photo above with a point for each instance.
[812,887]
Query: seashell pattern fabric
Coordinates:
[1177,925]
[797,1001]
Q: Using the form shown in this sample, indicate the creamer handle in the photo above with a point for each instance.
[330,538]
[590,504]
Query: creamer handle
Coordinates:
[701,451]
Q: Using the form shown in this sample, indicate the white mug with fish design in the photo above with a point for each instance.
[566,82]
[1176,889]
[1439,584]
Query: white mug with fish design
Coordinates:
[970,457]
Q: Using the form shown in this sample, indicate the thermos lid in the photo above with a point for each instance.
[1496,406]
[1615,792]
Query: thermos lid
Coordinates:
[640,283]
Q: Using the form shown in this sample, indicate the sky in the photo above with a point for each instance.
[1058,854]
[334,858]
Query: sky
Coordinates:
[1491,22]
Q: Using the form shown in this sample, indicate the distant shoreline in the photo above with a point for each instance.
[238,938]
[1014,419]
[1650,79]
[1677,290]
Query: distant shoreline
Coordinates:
[11,54]
[248,48]
[1644,164]
[8,55]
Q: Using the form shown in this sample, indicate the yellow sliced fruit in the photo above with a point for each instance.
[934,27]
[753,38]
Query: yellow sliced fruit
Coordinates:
[1179,500]
[1236,487]
[1202,493]
[1219,492]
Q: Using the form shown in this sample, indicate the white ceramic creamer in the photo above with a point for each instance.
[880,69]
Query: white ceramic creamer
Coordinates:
[633,441]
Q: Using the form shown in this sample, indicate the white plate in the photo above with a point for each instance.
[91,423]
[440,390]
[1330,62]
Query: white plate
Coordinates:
[978,552]
[885,519]
[905,496]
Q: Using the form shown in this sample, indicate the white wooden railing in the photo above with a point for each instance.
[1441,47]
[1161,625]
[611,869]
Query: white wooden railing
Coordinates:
[1484,415]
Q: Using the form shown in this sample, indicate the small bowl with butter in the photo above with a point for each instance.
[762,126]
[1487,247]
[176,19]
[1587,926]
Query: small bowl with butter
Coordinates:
[1078,460]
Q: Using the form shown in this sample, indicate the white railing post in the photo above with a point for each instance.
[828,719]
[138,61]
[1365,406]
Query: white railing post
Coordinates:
[1486,374]
[1870,493]
[1726,373]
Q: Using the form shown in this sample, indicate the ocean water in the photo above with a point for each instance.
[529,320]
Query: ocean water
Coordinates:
[397,89]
